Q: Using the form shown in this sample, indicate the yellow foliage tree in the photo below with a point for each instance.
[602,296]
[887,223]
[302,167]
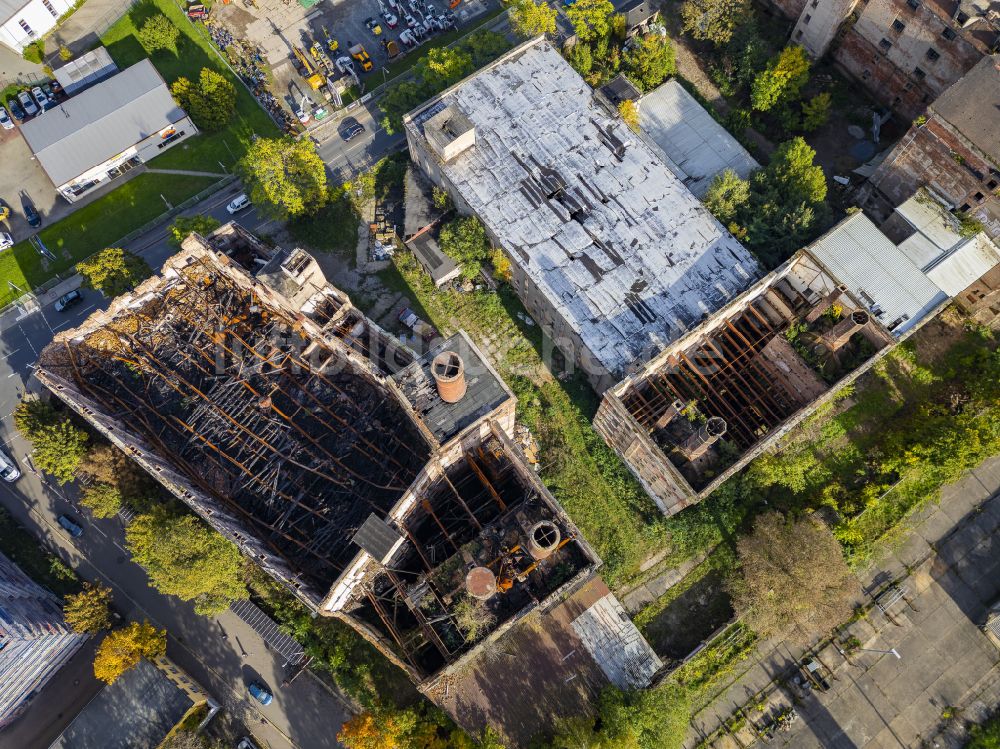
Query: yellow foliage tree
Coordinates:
[124,648]
[365,731]
[629,114]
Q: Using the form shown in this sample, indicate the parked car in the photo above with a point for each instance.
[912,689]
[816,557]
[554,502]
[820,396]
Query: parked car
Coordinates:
[390,20]
[15,110]
[5,122]
[30,108]
[8,468]
[68,300]
[41,99]
[72,527]
[247,743]
[373,26]
[992,626]
[30,214]
[240,202]
[352,131]
[5,240]
[260,692]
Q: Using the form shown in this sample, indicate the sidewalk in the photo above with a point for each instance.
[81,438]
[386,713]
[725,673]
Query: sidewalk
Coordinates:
[950,564]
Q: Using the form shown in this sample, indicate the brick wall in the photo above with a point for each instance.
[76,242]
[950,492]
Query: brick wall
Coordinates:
[936,156]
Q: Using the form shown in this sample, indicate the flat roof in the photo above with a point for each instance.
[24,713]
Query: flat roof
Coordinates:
[86,70]
[972,105]
[877,272]
[137,710]
[627,255]
[101,122]
[485,391]
[691,138]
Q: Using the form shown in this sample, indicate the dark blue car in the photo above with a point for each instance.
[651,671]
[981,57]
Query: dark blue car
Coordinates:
[260,692]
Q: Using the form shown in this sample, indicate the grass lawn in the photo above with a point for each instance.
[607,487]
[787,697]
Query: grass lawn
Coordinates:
[92,228]
[194,52]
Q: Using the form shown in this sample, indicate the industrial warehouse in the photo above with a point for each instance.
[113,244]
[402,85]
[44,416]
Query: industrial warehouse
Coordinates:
[381,486]
[611,253]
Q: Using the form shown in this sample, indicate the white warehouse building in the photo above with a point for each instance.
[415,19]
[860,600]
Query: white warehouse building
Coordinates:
[107,130]
[25,21]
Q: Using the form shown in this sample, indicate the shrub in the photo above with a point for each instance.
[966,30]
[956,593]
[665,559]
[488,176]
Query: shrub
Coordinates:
[34,52]
[158,33]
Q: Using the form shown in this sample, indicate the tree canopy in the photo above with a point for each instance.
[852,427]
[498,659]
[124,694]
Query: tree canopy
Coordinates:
[781,80]
[714,20]
[122,649]
[649,61]
[464,241]
[211,101]
[794,580]
[185,225]
[529,18]
[89,611]
[158,33]
[284,177]
[779,208]
[58,446]
[591,19]
[104,500]
[185,558]
[113,271]
[629,114]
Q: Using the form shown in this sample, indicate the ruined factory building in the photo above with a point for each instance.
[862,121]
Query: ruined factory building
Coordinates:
[719,396]
[610,252]
[380,485]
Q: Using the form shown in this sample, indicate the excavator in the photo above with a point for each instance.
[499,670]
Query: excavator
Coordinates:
[309,71]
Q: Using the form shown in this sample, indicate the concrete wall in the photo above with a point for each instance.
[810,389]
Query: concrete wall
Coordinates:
[819,22]
[39,18]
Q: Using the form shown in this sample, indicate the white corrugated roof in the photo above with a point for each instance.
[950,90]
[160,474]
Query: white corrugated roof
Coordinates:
[956,271]
[692,140]
[615,241]
[877,272]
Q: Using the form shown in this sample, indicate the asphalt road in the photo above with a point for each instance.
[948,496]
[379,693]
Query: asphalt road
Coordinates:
[343,158]
[221,653]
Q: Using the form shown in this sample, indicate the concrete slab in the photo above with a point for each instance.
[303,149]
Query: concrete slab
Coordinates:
[935,527]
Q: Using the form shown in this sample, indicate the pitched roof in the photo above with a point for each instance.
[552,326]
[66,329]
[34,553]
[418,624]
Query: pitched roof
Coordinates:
[96,124]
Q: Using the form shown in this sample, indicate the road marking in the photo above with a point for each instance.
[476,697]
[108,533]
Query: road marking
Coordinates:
[88,308]
[10,353]
[55,328]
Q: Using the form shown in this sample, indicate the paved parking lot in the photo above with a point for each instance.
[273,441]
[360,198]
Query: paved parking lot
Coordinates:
[276,26]
[21,175]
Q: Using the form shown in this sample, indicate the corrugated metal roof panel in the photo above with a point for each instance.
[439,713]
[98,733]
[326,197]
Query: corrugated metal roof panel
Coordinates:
[876,271]
[954,272]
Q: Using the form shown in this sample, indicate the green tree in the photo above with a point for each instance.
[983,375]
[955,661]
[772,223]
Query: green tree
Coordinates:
[122,650]
[629,114]
[728,196]
[649,61]
[104,500]
[106,464]
[580,58]
[113,271]
[158,33]
[185,225]
[816,112]
[794,581]
[644,719]
[464,241]
[89,611]
[65,53]
[34,52]
[591,19]
[714,20]
[185,558]
[57,445]
[781,80]
[211,102]
[791,176]
[443,66]
[529,18]
[285,177]
[485,46]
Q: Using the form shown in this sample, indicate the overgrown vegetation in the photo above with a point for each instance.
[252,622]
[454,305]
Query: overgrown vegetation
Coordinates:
[464,240]
[89,611]
[123,648]
[779,209]
[986,735]
[113,271]
[211,100]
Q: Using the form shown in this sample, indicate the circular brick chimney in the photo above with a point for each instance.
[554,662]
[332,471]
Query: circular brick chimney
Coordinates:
[448,370]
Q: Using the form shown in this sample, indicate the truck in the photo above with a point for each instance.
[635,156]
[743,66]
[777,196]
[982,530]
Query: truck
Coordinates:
[391,48]
[358,53]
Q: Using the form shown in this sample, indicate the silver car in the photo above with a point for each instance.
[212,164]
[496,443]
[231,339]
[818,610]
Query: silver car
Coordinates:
[5,122]
[8,468]
[30,108]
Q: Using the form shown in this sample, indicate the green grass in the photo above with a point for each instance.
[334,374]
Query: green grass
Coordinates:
[45,569]
[94,227]
[194,52]
[985,736]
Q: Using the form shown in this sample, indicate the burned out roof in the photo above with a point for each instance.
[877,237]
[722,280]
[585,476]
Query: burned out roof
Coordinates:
[611,238]
[280,433]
